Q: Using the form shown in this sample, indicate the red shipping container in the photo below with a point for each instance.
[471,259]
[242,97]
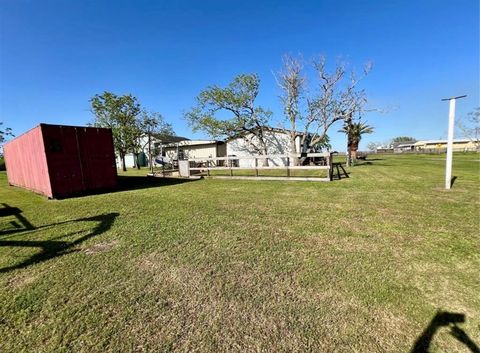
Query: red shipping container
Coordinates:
[59,161]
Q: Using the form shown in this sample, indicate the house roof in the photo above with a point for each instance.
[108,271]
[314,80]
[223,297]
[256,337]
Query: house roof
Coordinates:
[267,128]
[193,143]
[437,142]
[405,145]
[169,138]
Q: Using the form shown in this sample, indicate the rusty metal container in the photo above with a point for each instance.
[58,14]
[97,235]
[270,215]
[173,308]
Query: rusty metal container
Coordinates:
[60,161]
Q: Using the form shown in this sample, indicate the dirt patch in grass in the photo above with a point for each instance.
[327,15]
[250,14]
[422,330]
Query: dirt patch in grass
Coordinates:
[21,280]
[100,247]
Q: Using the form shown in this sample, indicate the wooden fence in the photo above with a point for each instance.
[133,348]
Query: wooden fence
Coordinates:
[286,162]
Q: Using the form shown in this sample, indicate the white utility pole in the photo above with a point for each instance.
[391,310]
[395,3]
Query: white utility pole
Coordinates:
[451,126]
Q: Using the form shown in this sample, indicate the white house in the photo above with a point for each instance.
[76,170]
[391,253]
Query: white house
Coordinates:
[194,149]
[277,141]
[404,147]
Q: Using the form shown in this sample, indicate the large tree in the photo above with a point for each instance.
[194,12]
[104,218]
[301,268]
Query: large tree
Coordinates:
[335,97]
[118,113]
[224,112]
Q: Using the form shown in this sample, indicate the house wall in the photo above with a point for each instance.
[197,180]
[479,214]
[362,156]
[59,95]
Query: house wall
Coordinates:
[194,151]
[277,143]
[130,157]
[130,161]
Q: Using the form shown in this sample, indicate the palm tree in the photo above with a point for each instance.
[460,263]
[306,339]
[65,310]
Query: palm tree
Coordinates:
[354,132]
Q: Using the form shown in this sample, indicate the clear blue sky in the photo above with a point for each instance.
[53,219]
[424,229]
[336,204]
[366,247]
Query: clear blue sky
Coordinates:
[55,55]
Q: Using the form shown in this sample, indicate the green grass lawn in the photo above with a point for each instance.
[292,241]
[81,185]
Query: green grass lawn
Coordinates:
[357,265]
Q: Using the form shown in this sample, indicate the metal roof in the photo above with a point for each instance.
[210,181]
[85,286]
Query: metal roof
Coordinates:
[437,142]
[194,143]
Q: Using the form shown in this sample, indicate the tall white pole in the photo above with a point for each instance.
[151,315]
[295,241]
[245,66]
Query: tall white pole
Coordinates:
[451,124]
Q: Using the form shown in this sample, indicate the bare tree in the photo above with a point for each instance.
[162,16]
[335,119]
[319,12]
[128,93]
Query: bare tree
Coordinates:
[292,82]
[372,146]
[470,127]
[336,97]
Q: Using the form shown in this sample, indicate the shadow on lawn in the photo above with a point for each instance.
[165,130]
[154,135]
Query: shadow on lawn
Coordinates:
[444,319]
[51,248]
[338,171]
[453,181]
[21,224]
[126,183]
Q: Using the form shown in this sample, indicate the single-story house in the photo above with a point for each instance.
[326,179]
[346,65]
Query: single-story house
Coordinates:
[384,149]
[277,143]
[193,149]
[406,146]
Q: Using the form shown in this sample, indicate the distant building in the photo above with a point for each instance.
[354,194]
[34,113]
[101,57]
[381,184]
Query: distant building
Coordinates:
[459,145]
[440,145]
[384,149]
[404,147]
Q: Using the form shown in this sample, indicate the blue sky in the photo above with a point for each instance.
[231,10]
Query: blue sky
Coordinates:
[55,55]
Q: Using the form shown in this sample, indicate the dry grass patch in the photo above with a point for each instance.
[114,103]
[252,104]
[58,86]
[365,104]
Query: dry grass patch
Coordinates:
[100,247]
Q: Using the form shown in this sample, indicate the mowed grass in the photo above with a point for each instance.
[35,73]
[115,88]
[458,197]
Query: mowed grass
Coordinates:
[356,265]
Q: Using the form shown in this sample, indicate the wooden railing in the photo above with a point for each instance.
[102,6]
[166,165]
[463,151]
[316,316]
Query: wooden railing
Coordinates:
[260,162]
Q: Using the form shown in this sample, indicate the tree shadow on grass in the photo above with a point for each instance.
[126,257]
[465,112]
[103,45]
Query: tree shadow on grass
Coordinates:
[55,248]
[444,319]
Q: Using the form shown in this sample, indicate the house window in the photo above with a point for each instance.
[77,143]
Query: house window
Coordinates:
[181,155]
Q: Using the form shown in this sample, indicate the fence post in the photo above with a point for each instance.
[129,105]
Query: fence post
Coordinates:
[288,166]
[229,161]
[330,166]
[256,166]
